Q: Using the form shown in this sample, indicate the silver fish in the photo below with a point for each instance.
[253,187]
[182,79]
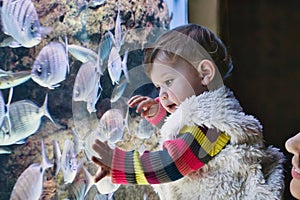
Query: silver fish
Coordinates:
[12,79]
[93,97]
[66,161]
[82,54]
[116,66]
[29,185]
[144,129]
[104,51]
[112,124]
[118,91]
[94,3]
[20,21]
[86,80]
[25,119]
[104,186]
[51,65]
[117,37]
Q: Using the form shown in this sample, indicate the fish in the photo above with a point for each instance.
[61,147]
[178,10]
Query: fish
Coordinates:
[10,79]
[29,185]
[116,66]
[145,129]
[104,49]
[117,37]
[104,186]
[20,22]
[25,117]
[118,91]
[66,161]
[82,54]
[51,65]
[86,80]
[94,3]
[93,98]
[112,125]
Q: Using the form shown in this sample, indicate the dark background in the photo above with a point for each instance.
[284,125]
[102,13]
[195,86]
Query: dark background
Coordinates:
[263,38]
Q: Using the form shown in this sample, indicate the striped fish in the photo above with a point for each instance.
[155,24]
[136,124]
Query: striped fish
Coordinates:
[66,161]
[51,65]
[11,79]
[86,80]
[116,65]
[29,185]
[20,21]
[25,117]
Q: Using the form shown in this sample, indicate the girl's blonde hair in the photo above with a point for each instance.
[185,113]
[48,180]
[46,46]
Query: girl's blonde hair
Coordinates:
[192,43]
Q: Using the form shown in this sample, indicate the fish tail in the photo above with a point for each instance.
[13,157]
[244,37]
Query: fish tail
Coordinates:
[67,55]
[124,66]
[78,143]
[45,162]
[11,91]
[45,109]
[56,156]
[89,180]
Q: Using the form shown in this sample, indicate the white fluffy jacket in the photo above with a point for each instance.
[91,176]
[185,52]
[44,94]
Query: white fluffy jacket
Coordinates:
[244,170]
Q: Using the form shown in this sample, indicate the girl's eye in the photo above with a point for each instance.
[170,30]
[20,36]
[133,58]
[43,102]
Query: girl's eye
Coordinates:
[169,82]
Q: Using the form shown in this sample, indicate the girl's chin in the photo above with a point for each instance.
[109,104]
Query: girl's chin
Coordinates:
[295,188]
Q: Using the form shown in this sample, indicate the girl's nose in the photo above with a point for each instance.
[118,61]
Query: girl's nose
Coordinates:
[163,95]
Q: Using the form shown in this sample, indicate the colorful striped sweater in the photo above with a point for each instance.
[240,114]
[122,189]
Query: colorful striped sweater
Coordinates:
[192,148]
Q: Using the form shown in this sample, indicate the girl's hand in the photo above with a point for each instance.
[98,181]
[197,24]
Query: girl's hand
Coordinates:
[106,154]
[147,106]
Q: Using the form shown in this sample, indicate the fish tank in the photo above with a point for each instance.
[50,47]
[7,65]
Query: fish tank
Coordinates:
[68,69]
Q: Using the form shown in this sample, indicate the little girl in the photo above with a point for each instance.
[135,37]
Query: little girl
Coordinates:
[210,149]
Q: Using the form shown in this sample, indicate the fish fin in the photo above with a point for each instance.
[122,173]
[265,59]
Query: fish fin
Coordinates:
[78,143]
[23,141]
[124,66]
[52,87]
[45,162]
[10,42]
[56,156]
[67,55]
[11,91]
[6,42]
[89,180]
[112,37]
[45,109]
[4,150]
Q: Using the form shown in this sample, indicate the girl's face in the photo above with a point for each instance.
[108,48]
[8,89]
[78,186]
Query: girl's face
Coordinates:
[176,82]
[293,146]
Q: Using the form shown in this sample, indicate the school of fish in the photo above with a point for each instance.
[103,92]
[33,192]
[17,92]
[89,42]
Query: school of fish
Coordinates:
[21,119]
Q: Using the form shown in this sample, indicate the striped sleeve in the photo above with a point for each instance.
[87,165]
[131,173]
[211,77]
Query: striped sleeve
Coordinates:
[179,157]
[158,119]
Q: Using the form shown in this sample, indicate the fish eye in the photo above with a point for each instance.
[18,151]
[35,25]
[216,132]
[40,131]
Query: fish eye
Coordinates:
[39,69]
[33,28]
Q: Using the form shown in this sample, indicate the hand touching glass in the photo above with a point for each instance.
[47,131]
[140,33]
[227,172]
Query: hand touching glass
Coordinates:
[105,159]
[147,106]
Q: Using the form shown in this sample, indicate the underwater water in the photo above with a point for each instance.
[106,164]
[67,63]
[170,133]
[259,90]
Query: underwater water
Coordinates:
[67,70]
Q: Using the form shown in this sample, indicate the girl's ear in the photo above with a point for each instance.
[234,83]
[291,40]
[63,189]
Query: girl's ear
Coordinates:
[207,71]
